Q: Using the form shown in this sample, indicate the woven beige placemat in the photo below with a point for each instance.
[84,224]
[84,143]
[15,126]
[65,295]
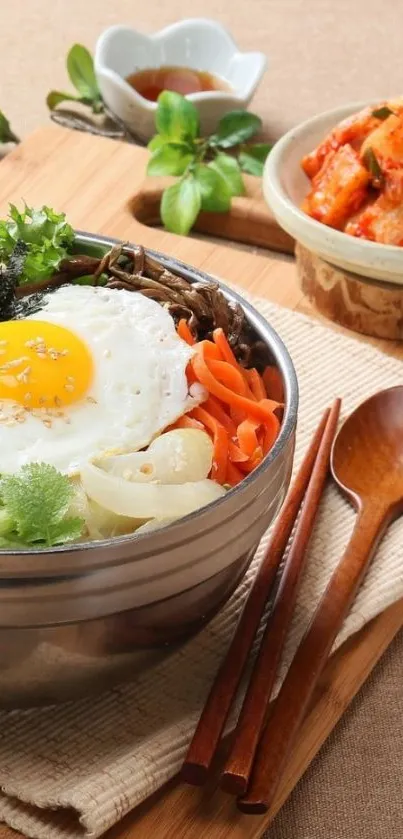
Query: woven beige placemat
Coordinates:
[75,770]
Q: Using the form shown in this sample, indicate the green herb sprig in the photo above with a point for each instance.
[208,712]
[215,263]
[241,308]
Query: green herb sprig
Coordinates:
[46,234]
[6,132]
[80,68]
[34,508]
[209,176]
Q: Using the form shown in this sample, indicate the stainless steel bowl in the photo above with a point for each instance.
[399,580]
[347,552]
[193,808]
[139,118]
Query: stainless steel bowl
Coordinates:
[80,618]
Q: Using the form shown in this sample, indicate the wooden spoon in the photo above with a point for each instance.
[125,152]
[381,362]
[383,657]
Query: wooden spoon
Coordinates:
[367,464]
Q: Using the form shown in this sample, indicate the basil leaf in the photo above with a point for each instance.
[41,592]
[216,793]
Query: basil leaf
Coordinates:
[228,169]
[80,68]
[214,191]
[169,159]
[235,128]
[156,142]
[382,113]
[6,133]
[252,158]
[371,162]
[180,206]
[176,117]
[56,96]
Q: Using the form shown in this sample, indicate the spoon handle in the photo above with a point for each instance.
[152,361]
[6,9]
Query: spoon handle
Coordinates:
[292,703]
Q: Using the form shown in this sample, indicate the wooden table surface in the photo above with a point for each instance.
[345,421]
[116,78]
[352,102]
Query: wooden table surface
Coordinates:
[94,182]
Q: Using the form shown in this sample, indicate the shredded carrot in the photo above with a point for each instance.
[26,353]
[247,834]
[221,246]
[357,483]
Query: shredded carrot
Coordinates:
[256,384]
[204,375]
[235,454]
[213,406]
[221,341]
[220,443]
[228,376]
[185,333]
[234,475]
[270,433]
[209,350]
[273,384]
[239,412]
[247,436]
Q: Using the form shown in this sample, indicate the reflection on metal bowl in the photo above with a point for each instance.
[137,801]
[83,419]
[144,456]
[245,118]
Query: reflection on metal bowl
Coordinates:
[81,618]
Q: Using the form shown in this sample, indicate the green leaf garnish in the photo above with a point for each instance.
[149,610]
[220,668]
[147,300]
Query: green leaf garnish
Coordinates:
[372,164]
[228,169]
[47,235]
[252,158]
[170,159]
[156,142]
[214,191]
[382,113]
[235,128]
[80,67]
[36,501]
[178,150]
[176,118]
[6,133]
[55,97]
[180,205]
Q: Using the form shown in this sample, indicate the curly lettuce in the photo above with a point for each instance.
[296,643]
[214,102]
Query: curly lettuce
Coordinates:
[48,238]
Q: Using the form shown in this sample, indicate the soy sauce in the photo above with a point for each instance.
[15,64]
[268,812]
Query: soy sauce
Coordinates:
[150,83]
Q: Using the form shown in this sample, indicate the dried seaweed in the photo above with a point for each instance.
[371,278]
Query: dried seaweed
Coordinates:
[9,277]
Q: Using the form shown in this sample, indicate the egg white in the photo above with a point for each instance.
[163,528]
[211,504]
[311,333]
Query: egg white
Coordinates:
[139,384]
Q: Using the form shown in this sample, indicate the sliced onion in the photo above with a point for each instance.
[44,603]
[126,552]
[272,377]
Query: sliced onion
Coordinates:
[172,458]
[147,501]
[154,524]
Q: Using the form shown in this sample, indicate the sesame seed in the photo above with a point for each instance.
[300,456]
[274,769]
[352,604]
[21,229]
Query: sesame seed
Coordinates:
[20,418]
[70,379]
[58,402]
[28,397]
[15,362]
[41,354]
[24,375]
[69,388]
[47,423]
[91,400]
[64,352]
[42,400]
[3,343]
[9,381]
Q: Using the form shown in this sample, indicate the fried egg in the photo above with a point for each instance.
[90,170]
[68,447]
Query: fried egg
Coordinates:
[96,371]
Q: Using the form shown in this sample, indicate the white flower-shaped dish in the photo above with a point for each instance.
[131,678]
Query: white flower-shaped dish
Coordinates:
[285,186]
[196,43]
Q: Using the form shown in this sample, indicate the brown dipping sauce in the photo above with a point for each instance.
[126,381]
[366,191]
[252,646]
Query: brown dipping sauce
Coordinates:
[150,83]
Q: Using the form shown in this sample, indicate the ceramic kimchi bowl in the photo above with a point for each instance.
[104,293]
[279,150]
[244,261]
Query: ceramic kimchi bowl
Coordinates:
[79,618]
[285,185]
[197,44]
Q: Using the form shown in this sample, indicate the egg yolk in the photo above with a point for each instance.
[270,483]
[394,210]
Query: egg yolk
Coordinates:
[43,365]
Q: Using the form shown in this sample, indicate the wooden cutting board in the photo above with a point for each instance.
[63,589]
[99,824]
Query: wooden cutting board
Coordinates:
[100,184]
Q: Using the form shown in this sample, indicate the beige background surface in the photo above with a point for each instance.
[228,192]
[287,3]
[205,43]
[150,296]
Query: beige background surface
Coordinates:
[322,53]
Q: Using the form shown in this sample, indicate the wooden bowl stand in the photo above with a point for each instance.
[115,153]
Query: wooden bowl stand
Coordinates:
[367,306]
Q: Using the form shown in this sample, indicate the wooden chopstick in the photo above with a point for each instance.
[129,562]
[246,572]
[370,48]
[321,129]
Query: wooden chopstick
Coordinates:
[235,777]
[288,713]
[215,713]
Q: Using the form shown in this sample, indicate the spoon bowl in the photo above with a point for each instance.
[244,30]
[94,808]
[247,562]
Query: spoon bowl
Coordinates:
[367,454]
